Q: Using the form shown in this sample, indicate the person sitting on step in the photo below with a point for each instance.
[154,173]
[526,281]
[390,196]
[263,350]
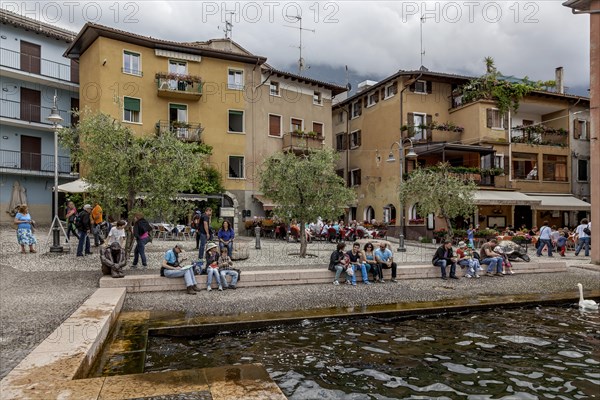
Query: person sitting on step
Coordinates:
[171,268]
[444,257]
[113,260]
[226,268]
[212,266]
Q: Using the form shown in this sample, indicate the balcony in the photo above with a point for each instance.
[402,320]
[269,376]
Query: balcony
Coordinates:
[19,111]
[33,163]
[186,131]
[39,66]
[188,87]
[540,135]
[301,142]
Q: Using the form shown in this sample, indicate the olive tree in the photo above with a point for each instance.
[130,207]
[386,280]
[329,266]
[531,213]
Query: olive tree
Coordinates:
[305,187]
[439,191]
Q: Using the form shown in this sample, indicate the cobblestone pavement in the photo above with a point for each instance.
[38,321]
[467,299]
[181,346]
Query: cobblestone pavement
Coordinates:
[39,291]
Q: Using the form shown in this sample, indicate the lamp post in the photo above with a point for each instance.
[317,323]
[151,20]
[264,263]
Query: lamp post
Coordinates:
[55,119]
[411,156]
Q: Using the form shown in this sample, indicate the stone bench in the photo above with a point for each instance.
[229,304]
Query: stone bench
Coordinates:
[301,276]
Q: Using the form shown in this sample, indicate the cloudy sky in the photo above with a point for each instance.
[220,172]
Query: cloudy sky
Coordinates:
[374,39]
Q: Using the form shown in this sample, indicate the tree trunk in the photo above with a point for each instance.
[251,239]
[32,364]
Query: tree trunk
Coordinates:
[450,231]
[129,236]
[302,239]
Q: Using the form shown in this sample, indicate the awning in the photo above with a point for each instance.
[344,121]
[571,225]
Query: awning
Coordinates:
[190,197]
[268,204]
[501,197]
[77,186]
[560,202]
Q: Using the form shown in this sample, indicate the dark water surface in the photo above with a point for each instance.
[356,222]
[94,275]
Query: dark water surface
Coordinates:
[543,352]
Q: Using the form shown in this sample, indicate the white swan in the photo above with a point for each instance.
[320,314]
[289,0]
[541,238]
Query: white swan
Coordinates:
[586,304]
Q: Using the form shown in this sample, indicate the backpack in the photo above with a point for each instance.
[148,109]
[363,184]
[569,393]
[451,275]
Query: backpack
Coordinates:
[77,220]
[195,222]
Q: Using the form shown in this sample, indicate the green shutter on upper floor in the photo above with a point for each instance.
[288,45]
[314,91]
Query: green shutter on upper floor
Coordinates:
[131,104]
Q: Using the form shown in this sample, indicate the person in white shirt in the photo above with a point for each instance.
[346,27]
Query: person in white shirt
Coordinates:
[117,234]
[584,237]
[545,240]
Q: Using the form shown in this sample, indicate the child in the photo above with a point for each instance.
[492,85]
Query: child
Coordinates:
[117,234]
[225,268]
[561,242]
[212,266]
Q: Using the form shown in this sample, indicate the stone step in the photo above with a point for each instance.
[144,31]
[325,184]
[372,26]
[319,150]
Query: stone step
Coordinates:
[302,276]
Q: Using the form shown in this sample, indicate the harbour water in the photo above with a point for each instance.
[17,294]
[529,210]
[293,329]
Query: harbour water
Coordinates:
[529,353]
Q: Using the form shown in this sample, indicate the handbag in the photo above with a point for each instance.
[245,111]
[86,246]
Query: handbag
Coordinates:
[587,231]
[349,270]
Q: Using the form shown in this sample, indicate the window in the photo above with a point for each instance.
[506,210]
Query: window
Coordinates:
[235,79]
[580,129]
[355,139]
[274,88]
[236,167]
[340,142]
[274,125]
[177,112]
[419,120]
[356,109]
[524,166]
[318,98]
[318,128]
[296,125]
[391,90]
[236,121]
[555,168]
[132,109]
[582,170]
[419,87]
[340,117]
[495,120]
[131,63]
[499,161]
[373,99]
[355,177]
[340,173]
[177,67]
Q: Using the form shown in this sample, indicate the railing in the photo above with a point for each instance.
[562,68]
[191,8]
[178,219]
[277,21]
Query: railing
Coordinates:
[552,137]
[11,159]
[186,131]
[30,112]
[301,141]
[178,85]
[36,65]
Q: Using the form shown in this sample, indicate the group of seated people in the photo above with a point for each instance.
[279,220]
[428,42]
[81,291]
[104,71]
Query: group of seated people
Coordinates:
[466,257]
[366,260]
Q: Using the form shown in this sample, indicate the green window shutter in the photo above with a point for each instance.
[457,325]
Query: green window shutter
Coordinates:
[178,106]
[233,112]
[131,104]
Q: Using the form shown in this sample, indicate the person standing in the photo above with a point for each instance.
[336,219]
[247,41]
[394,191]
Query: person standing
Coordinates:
[70,216]
[195,225]
[25,229]
[84,226]
[96,221]
[471,235]
[443,257]
[545,239]
[385,260]
[226,236]
[204,231]
[141,233]
[117,234]
[171,268]
[583,232]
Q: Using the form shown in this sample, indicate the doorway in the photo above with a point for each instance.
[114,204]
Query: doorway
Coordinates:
[523,216]
[31,149]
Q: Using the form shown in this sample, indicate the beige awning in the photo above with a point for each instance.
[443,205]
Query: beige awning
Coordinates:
[559,202]
[268,204]
[502,197]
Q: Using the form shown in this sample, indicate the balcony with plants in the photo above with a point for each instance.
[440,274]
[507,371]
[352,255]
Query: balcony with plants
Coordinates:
[186,131]
[300,141]
[180,86]
[536,135]
[481,176]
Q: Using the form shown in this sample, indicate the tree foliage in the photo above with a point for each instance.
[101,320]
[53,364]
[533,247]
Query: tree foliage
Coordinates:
[305,187]
[439,191]
[142,173]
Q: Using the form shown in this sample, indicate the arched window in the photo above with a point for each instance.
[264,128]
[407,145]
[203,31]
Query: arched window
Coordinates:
[369,214]
[389,214]
[413,216]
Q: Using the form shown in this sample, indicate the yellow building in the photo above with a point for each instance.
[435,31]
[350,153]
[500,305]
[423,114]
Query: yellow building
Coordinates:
[215,92]
[473,138]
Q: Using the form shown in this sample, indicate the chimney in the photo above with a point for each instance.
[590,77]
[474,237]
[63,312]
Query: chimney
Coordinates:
[364,85]
[560,85]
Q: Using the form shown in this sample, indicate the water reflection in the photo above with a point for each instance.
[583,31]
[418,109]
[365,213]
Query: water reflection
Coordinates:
[549,352]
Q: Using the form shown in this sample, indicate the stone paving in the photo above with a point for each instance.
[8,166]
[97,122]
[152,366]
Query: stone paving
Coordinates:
[39,291]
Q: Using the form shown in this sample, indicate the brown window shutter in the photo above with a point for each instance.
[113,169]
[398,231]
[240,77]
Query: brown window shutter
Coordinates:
[410,120]
[488,113]
[366,101]
[588,126]
[429,132]
[376,97]
[358,137]
[358,177]
[318,128]
[395,86]
[429,87]
[506,121]
[576,130]
[274,125]
[382,93]
[359,108]
[413,87]
[345,142]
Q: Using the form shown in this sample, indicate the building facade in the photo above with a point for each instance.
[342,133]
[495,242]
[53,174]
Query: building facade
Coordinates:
[214,92]
[522,162]
[33,72]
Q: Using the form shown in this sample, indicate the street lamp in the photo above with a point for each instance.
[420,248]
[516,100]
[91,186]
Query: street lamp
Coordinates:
[411,155]
[55,119]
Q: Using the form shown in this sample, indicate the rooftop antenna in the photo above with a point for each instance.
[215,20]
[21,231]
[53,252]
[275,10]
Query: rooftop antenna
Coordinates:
[301,66]
[228,24]
[423,18]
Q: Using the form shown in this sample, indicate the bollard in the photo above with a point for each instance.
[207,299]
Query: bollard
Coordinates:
[257,235]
